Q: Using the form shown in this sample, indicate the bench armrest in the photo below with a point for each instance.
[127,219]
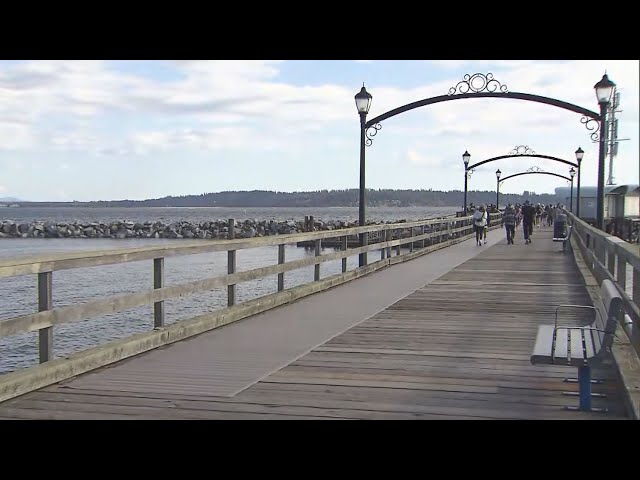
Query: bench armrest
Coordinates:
[579,328]
[576,306]
[583,328]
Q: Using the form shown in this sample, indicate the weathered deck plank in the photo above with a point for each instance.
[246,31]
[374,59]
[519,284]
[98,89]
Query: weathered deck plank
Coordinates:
[457,348]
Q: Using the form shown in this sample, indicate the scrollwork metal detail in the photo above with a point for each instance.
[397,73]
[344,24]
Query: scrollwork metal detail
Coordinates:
[594,129]
[470,172]
[534,169]
[370,133]
[476,83]
[522,150]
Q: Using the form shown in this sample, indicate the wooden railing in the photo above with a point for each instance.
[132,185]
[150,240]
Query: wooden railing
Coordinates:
[417,237]
[608,256]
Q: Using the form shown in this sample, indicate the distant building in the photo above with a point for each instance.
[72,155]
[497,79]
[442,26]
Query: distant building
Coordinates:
[621,207]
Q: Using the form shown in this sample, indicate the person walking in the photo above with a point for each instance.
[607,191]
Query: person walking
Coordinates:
[509,218]
[528,217]
[479,222]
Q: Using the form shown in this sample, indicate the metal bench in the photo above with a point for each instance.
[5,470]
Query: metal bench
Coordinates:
[583,346]
[564,239]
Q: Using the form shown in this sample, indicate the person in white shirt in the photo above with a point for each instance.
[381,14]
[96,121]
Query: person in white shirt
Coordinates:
[479,222]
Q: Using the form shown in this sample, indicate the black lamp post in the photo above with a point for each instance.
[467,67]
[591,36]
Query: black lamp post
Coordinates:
[604,89]
[498,173]
[465,158]
[363,102]
[579,155]
[572,174]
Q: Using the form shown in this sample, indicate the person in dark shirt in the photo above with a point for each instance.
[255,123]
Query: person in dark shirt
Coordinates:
[528,217]
[509,218]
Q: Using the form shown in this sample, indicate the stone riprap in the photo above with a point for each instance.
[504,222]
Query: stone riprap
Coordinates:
[128,229]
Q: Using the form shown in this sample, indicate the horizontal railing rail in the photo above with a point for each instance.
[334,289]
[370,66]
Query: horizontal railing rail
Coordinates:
[53,262]
[609,257]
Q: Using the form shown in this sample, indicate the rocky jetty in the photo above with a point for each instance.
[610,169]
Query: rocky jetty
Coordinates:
[127,229]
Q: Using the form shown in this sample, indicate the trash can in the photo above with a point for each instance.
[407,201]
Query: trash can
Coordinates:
[560,226]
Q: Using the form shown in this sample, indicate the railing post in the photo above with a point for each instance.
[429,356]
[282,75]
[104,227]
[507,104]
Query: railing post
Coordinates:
[621,276]
[158,282]
[383,238]
[231,264]
[399,235]
[611,258]
[387,238]
[280,262]
[411,244]
[600,251]
[636,287]
[423,238]
[316,272]
[45,302]
[345,246]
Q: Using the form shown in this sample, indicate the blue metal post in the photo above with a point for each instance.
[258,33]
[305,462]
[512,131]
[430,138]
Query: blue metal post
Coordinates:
[584,380]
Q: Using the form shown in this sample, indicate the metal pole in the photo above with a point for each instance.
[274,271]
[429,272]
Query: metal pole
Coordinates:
[571,200]
[466,176]
[600,206]
[362,259]
[578,192]
[612,137]
[497,193]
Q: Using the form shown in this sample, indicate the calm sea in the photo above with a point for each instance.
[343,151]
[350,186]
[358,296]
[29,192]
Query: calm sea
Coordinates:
[18,295]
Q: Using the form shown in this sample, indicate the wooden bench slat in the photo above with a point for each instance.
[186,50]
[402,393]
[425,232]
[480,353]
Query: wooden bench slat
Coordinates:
[561,347]
[576,339]
[590,340]
[542,348]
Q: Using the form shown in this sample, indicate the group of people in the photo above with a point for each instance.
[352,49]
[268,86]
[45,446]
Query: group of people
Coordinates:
[531,215]
[527,214]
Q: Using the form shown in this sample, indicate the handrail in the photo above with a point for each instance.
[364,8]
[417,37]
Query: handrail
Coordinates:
[53,262]
[610,257]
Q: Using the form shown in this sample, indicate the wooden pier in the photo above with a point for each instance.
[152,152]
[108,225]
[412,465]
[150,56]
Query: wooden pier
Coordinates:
[446,335]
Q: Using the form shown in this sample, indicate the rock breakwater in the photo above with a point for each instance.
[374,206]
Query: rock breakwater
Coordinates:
[127,229]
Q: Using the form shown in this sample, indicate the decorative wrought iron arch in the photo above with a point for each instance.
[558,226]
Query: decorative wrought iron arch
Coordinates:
[480,85]
[531,155]
[534,173]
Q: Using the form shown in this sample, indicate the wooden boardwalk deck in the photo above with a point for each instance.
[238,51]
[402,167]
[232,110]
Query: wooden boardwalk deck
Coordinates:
[457,348]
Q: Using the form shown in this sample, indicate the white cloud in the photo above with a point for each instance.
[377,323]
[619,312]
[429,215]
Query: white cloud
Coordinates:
[417,158]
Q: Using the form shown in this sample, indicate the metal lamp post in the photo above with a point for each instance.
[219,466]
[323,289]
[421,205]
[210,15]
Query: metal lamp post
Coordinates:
[604,89]
[363,103]
[465,158]
[579,155]
[572,174]
[498,173]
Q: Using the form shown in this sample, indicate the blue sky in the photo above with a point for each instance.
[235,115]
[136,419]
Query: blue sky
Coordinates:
[101,130]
